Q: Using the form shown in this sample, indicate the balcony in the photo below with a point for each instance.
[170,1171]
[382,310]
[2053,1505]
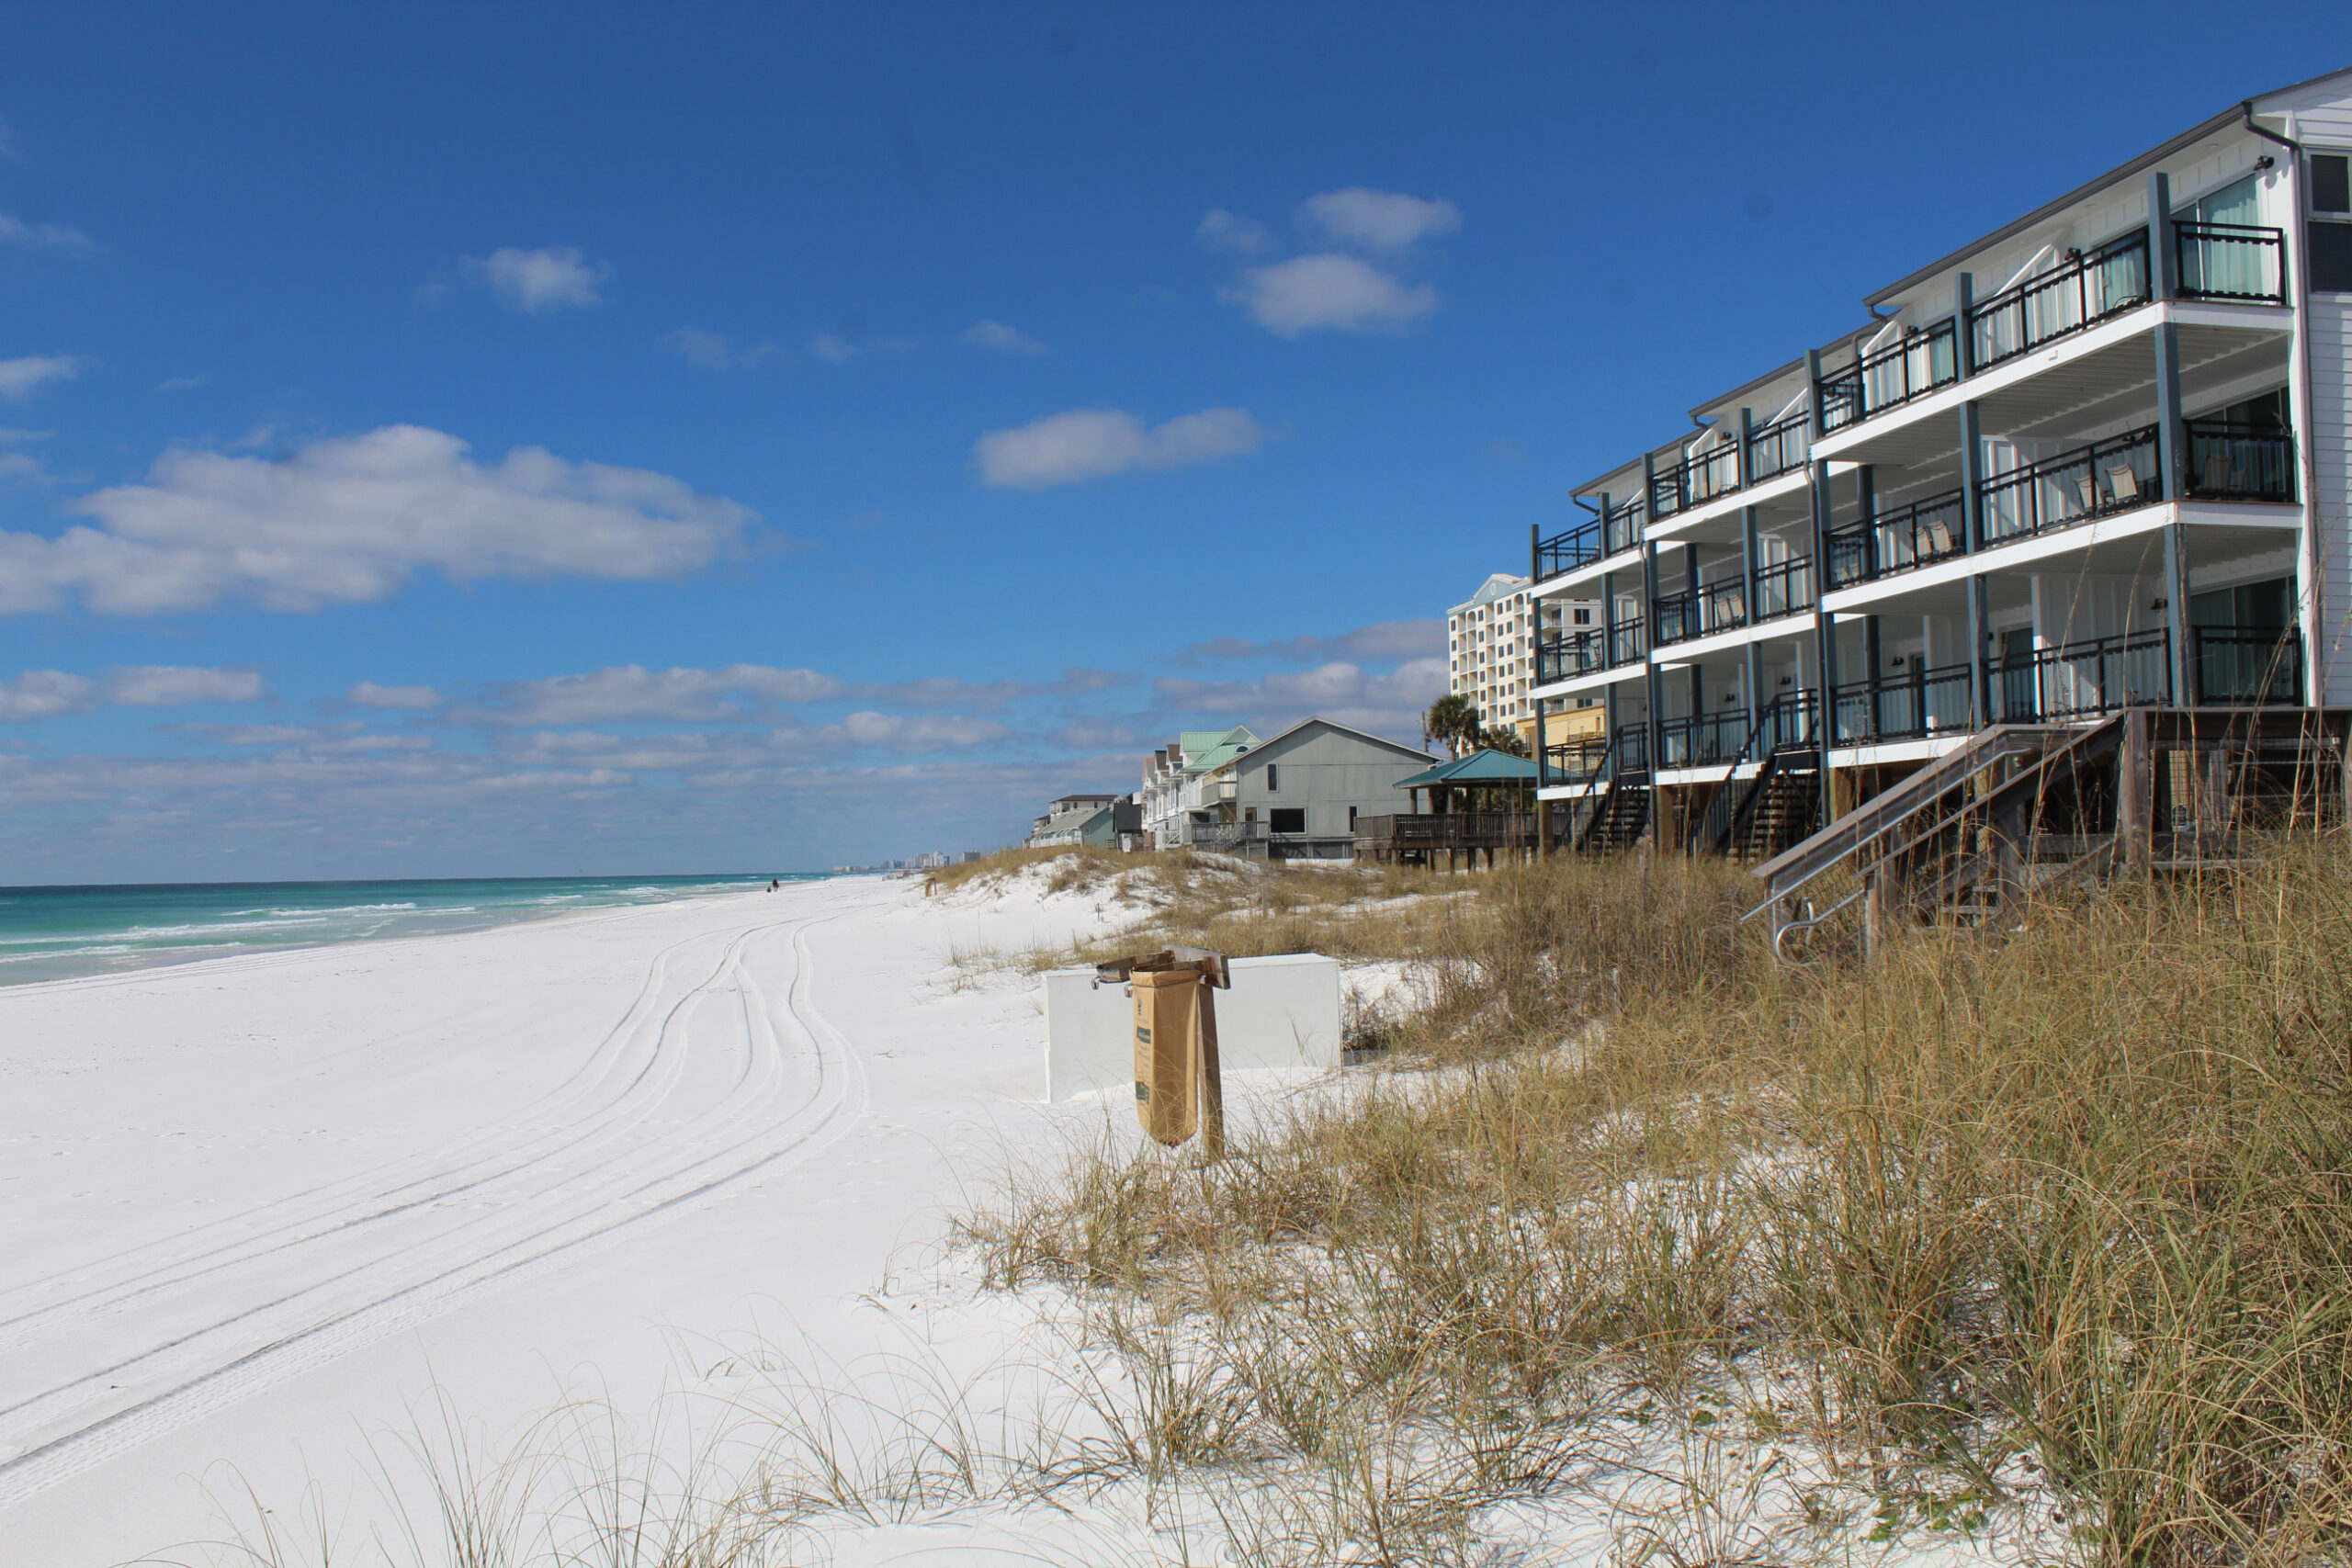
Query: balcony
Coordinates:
[2082,292]
[2239,462]
[1563,656]
[1918,362]
[2078,680]
[1695,480]
[1577,761]
[1702,740]
[1778,447]
[1912,707]
[1594,539]
[1920,533]
[2230,261]
[2094,482]
[2248,666]
[1784,589]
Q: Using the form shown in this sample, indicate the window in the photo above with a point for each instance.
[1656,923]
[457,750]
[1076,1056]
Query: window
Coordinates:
[2329,239]
[1584,617]
[1351,818]
[1273,777]
[1290,819]
[2331,183]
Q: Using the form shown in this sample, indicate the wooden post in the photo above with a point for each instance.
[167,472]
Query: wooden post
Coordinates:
[1874,911]
[1212,1075]
[2134,803]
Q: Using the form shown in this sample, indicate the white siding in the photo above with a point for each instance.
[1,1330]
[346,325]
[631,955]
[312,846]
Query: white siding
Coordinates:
[2331,439]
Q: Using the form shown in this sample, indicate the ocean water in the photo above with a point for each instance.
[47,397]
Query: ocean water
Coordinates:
[50,933]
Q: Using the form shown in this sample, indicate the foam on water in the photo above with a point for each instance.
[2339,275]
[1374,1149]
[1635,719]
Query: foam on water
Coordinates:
[50,933]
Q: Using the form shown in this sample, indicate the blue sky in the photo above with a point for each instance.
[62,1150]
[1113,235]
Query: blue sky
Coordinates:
[502,439]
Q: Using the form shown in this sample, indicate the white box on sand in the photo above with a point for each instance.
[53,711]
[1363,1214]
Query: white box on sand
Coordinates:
[1281,1012]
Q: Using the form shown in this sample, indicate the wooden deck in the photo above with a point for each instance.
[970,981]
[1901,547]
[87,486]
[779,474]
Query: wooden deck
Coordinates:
[1419,839]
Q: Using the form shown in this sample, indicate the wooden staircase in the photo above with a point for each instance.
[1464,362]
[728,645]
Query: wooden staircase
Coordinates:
[1784,806]
[1621,819]
[2020,806]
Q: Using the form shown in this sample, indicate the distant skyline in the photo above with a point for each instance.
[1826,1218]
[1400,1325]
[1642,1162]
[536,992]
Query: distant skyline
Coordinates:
[481,441]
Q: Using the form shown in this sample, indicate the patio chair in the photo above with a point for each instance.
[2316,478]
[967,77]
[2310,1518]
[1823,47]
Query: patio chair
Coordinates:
[2217,473]
[2122,483]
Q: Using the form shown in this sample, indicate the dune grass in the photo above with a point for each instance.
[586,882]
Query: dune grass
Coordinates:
[2042,1231]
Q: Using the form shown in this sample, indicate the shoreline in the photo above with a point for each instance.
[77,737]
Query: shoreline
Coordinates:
[500,918]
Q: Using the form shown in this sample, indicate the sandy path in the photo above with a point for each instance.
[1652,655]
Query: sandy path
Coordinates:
[249,1204]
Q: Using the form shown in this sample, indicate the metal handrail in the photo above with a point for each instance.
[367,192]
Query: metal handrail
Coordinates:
[2232,460]
[2212,257]
[2251,666]
[2083,291]
[1775,448]
[1568,549]
[1917,534]
[1922,360]
[2119,474]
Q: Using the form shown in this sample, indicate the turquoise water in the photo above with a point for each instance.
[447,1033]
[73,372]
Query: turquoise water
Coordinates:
[50,933]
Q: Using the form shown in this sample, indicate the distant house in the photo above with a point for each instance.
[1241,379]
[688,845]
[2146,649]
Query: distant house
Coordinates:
[1171,778]
[1085,819]
[1297,795]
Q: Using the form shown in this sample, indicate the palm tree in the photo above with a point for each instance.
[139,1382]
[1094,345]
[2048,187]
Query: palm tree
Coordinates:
[1452,720]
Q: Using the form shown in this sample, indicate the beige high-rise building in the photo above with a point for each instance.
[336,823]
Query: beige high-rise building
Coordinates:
[1490,657]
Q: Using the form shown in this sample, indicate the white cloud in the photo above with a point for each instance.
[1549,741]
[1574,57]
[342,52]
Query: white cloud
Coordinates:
[23,469]
[1092,444]
[1222,230]
[48,693]
[923,732]
[22,378]
[58,237]
[715,351]
[45,694]
[833,349]
[18,437]
[1382,640]
[1003,339]
[1379,220]
[1338,686]
[369,694]
[633,694]
[171,685]
[181,383]
[547,279]
[1327,292]
[353,518]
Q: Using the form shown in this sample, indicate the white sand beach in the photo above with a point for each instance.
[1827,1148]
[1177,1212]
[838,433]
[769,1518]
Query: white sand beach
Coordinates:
[253,1212]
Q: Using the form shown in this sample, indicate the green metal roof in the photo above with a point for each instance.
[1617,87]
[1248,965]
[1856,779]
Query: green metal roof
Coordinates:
[1480,767]
[1216,747]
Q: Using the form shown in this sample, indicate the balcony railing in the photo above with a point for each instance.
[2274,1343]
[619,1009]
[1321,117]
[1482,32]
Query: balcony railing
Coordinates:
[1698,611]
[1626,644]
[2239,462]
[1694,481]
[2095,676]
[1632,749]
[2231,261]
[1911,705]
[1704,740]
[1785,588]
[1780,447]
[2080,292]
[1577,761]
[2099,481]
[1620,530]
[1564,655]
[1914,365]
[1917,534]
[2248,666]
[1568,549]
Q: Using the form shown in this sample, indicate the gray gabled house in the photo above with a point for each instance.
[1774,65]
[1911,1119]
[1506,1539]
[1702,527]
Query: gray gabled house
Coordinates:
[1297,795]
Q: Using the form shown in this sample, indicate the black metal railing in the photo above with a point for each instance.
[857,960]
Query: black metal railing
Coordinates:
[1920,362]
[2230,261]
[1626,644]
[1564,655]
[1621,529]
[1917,534]
[2094,676]
[2248,666]
[1631,748]
[1577,761]
[2239,462]
[1694,481]
[1568,549]
[1777,448]
[1702,740]
[1910,704]
[1790,722]
[2107,476]
[1785,588]
[2081,292]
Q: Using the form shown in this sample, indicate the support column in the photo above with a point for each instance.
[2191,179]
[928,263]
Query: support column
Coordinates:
[1535,680]
[1971,510]
[2134,815]
[1826,637]
[2172,439]
[1747,562]
[1651,740]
